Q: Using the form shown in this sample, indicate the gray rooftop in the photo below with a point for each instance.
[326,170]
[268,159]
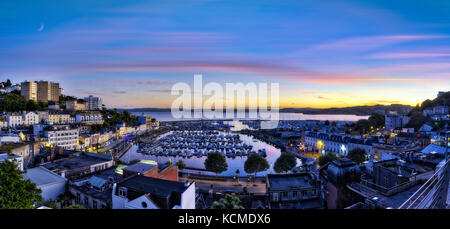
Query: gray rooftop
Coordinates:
[81,161]
[297,181]
[139,167]
[42,176]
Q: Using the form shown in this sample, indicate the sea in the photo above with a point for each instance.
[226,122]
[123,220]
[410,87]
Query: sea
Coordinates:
[167,117]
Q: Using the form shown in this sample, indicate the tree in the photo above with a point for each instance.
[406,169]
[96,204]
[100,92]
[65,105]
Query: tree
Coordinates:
[16,192]
[285,163]
[357,155]
[377,120]
[255,164]
[416,121]
[229,202]
[363,126]
[181,165]
[216,163]
[328,157]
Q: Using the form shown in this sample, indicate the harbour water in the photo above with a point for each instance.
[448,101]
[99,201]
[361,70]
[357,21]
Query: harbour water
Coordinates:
[198,163]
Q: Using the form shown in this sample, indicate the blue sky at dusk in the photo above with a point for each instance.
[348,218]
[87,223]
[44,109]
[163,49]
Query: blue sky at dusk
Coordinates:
[323,53]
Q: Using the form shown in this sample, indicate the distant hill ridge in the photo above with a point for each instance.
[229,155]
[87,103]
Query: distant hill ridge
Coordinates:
[356,110]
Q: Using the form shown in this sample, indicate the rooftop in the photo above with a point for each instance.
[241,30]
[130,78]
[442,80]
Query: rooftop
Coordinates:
[83,160]
[42,176]
[297,181]
[139,167]
[158,187]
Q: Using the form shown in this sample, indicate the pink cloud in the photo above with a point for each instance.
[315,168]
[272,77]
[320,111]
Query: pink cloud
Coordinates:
[407,55]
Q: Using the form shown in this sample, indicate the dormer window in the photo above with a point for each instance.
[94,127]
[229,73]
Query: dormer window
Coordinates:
[123,192]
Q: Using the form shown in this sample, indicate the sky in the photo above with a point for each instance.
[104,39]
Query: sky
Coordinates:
[322,53]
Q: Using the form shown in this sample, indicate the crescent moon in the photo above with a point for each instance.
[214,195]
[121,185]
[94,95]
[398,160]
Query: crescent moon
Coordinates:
[41,28]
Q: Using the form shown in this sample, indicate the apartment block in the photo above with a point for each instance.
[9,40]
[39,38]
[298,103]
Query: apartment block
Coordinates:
[42,91]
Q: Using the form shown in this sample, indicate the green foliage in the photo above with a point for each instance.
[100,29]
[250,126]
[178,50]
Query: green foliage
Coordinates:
[112,117]
[285,162]
[16,192]
[13,103]
[377,120]
[216,163]
[417,119]
[328,157]
[255,164]
[181,165]
[229,202]
[357,155]
[363,126]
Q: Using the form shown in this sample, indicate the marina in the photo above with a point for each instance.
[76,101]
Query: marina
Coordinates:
[193,148]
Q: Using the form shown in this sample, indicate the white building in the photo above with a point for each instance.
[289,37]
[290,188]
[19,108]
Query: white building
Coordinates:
[63,136]
[51,184]
[94,103]
[395,121]
[30,118]
[14,119]
[89,118]
[336,144]
[141,192]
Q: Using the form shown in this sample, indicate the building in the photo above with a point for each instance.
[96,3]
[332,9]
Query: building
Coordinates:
[42,91]
[56,117]
[392,173]
[395,121]
[94,103]
[440,110]
[141,192]
[47,91]
[293,191]
[26,150]
[166,172]
[14,119]
[3,122]
[51,184]
[89,118]
[74,168]
[337,175]
[76,105]
[95,192]
[62,136]
[29,90]
[9,138]
[30,118]
[441,93]
[6,156]
[336,144]
[54,106]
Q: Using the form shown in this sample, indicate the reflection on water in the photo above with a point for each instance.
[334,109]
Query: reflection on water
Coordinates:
[198,163]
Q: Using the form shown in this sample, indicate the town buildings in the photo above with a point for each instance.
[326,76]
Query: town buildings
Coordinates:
[76,105]
[89,118]
[395,121]
[293,191]
[51,184]
[62,136]
[142,192]
[337,144]
[80,166]
[94,103]
[42,91]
